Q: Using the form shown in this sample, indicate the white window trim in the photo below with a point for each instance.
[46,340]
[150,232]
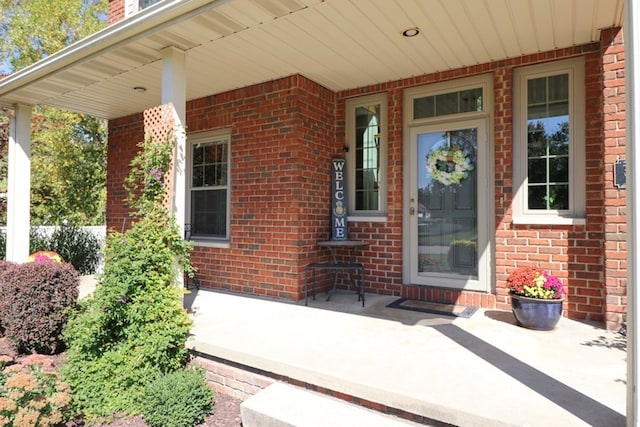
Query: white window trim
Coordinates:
[192,139]
[132,7]
[350,124]
[484,81]
[576,213]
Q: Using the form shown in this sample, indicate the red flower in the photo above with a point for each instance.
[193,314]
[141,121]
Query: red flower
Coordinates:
[533,282]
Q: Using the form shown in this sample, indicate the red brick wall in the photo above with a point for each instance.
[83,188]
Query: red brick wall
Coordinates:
[284,134]
[283,138]
[383,258]
[572,252]
[116,11]
[124,135]
[282,142]
[575,253]
[615,202]
[231,380]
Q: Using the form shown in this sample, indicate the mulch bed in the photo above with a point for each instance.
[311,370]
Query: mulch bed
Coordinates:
[226,408]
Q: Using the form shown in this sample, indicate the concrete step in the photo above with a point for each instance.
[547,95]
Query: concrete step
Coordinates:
[283,405]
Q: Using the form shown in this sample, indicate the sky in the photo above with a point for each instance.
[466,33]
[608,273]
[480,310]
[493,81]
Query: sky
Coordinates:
[4,68]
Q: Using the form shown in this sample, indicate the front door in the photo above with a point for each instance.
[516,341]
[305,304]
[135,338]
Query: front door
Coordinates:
[447,205]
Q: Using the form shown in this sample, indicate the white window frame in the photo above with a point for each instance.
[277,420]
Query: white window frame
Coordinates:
[131,7]
[576,213]
[379,215]
[193,139]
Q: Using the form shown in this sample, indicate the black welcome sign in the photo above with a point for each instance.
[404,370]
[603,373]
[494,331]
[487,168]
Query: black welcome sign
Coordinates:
[339,200]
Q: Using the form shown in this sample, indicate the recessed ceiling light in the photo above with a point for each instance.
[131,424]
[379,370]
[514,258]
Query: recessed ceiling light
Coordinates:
[411,32]
[140,89]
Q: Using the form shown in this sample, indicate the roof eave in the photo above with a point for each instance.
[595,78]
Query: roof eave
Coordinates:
[149,20]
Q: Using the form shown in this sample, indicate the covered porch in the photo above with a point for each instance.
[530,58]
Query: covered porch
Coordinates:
[274,81]
[193,54]
[431,369]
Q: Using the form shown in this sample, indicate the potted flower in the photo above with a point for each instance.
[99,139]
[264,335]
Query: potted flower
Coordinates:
[536,298]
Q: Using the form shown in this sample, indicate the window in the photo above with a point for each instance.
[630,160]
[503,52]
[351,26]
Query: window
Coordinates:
[548,143]
[366,158]
[143,4]
[208,186]
[444,104]
[134,6]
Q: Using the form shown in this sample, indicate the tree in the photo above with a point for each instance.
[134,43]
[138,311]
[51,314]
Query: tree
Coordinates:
[68,168]
[31,30]
[68,178]
[4,165]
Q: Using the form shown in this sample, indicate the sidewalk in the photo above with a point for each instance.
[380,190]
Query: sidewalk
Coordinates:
[468,372]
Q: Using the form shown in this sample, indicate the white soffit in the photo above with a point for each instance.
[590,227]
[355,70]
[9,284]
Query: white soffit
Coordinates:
[340,44]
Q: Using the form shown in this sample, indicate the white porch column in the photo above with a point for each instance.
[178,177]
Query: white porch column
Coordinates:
[174,86]
[19,184]
[632,74]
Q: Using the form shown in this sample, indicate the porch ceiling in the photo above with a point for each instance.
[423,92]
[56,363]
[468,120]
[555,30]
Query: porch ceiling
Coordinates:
[340,44]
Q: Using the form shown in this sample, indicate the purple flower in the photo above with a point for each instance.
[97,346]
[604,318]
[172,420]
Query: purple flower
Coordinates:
[156,174]
[554,283]
[123,300]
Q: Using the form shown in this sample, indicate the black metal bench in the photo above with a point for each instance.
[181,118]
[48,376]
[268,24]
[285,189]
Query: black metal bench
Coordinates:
[351,267]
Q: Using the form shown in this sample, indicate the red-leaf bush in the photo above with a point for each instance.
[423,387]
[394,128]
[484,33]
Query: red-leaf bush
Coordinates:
[36,299]
[4,265]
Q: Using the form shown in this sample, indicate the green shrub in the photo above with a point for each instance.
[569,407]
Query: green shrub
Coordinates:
[31,396]
[78,246]
[74,244]
[38,240]
[134,327]
[36,298]
[178,399]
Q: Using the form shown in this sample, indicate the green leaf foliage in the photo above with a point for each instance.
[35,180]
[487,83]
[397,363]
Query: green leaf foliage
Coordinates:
[134,327]
[34,29]
[76,245]
[31,395]
[68,168]
[68,150]
[178,399]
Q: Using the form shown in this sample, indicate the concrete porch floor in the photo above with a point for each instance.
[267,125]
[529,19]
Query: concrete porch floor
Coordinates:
[482,371]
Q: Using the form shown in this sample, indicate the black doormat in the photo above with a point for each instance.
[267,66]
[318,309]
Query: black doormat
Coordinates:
[454,310]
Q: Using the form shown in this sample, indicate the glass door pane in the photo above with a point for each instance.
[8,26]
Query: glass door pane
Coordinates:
[447,205]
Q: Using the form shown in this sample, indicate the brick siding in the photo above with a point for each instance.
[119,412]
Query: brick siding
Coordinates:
[237,382]
[116,11]
[283,138]
[575,253]
[612,149]
[284,134]
[124,135]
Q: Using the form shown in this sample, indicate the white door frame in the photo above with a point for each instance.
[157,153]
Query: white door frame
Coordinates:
[482,120]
